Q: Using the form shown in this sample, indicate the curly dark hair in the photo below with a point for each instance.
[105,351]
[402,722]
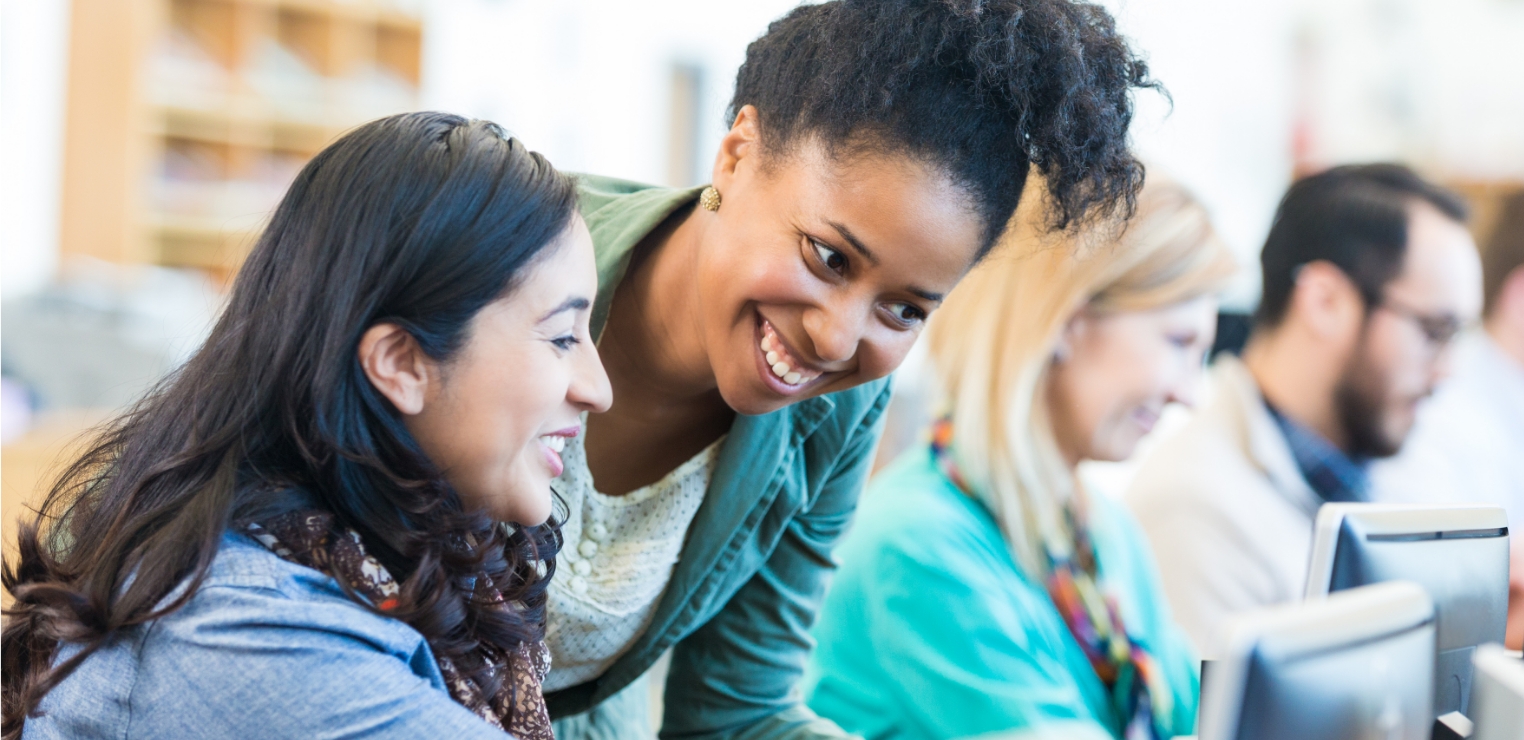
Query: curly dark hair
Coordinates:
[983,89]
[420,219]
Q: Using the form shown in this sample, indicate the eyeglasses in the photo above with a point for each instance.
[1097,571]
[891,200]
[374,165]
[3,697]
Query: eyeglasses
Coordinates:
[1440,329]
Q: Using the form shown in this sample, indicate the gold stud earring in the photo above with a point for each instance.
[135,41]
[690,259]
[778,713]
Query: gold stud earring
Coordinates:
[710,199]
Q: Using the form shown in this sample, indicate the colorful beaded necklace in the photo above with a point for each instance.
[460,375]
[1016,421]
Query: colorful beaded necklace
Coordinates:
[1139,692]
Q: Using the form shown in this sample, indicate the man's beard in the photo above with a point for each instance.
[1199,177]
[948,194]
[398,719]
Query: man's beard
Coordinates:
[1360,403]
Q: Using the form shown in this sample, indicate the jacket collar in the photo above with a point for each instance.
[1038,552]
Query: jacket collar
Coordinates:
[617,228]
[1260,437]
[1333,475]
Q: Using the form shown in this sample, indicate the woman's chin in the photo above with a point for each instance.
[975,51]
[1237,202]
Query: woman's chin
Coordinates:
[537,518]
[748,399]
[526,498]
[758,396]
[530,513]
[1119,451]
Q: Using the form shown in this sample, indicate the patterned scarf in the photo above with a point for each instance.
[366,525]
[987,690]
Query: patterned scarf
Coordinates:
[309,538]
[1139,692]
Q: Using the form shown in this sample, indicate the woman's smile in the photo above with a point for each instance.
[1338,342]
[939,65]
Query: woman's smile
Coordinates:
[781,367]
[552,445]
[1146,417]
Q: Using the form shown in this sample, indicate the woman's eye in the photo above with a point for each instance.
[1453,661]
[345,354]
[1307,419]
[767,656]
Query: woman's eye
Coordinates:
[1183,341]
[833,260]
[906,313]
[564,343]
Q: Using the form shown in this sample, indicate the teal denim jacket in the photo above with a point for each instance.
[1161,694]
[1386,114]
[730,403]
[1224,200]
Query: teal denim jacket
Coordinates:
[743,596]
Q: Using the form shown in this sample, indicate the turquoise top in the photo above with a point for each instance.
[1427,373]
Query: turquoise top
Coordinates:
[931,630]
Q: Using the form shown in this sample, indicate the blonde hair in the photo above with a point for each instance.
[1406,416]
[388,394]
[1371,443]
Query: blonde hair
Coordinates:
[992,342]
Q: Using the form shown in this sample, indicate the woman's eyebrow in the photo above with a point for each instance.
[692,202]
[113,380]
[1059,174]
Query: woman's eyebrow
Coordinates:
[856,243]
[862,249]
[574,303]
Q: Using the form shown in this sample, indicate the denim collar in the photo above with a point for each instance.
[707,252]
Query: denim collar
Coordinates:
[1333,475]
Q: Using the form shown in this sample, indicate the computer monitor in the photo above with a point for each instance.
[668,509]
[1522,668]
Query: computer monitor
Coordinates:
[1497,699]
[1358,664]
[1459,553]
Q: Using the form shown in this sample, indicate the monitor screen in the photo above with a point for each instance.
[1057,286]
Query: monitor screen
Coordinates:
[1459,554]
[1355,665]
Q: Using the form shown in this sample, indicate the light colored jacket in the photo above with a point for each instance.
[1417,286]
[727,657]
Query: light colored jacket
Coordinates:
[1227,511]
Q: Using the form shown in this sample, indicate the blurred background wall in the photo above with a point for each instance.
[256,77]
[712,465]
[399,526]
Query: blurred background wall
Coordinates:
[142,142]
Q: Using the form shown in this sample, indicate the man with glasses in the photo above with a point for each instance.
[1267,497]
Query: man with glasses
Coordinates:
[1369,274]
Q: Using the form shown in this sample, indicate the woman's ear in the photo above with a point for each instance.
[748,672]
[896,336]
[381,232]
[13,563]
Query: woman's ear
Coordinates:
[397,366]
[1063,349]
[741,142]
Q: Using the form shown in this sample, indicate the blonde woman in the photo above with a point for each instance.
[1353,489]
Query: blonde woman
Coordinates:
[982,590]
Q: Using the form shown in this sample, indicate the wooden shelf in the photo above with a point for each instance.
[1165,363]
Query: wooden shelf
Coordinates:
[187,118]
[367,12]
[1486,199]
[30,464]
[213,244]
[245,125]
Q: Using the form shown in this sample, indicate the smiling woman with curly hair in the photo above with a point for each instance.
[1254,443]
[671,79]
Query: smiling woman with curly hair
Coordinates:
[876,151]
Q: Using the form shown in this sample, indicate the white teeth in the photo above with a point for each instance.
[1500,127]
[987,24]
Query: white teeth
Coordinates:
[778,359]
[556,443]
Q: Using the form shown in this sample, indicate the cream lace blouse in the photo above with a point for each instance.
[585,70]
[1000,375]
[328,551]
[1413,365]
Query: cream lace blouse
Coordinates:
[617,560]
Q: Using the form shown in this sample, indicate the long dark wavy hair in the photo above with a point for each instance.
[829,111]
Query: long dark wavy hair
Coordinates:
[419,219]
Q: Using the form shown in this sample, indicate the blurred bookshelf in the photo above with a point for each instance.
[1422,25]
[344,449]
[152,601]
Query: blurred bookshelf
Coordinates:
[1486,198]
[187,119]
[32,462]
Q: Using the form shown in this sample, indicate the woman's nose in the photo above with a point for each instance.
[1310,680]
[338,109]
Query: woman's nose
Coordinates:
[590,389]
[835,331]
[1186,389]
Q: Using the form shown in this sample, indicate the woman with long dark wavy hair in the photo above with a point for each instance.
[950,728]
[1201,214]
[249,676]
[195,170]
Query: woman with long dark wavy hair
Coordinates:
[297,534]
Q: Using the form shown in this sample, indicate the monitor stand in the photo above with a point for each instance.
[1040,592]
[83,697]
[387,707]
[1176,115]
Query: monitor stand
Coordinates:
[1452,681]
